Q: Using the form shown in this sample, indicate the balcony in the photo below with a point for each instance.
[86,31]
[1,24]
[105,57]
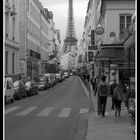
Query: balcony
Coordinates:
[12,43]
[13,12]
[7,7]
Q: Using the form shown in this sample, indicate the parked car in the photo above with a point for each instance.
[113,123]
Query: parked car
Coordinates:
[19,89]
[44,83]
[63,77]
[53,78]
[31,88]
[59,77]
[66,74]
[48,76]
[9,89]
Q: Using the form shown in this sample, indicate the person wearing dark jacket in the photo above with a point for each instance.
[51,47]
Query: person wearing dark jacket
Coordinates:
[102,92]
[112,87]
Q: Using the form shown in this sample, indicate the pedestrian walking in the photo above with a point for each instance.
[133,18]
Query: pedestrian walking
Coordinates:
[118,97]
[112,87]
[94,86]
[102,92]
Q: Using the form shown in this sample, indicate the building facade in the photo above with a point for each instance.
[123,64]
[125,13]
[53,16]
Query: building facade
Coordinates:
[36,36]
[114,16]
[11,38]
[44,63]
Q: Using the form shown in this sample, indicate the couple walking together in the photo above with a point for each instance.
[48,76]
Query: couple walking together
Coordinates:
[103,90]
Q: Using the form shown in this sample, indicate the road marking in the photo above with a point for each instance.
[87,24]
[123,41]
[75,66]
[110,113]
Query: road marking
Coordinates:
[64,112]
[46,111]
[11,109]
[84,110]
[27,111]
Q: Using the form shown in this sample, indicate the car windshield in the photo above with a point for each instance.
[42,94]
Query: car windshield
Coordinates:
[16,84]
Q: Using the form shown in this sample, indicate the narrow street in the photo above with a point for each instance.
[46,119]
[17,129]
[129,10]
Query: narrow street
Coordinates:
[60,113]
[69,70]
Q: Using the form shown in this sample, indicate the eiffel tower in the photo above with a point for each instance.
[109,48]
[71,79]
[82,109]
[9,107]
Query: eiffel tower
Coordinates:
[70,39]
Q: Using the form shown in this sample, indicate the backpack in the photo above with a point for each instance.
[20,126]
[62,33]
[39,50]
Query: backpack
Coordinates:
[103,90]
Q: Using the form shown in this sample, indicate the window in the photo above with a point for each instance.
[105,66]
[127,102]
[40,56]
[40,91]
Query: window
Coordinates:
[13,63]
[27,5]
[125,22]
[112,34]
[13,33]
[6,24]
[6,62]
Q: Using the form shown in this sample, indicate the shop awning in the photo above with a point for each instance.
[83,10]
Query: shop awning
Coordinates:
[110,52]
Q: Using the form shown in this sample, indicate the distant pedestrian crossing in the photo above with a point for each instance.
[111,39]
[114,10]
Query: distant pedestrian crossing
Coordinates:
[46,111]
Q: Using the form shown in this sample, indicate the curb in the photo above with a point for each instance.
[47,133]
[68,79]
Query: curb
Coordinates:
[85,88]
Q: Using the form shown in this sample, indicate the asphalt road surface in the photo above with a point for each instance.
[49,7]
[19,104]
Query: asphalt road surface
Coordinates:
[60,113]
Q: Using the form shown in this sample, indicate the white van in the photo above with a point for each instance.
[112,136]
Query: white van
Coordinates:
[8,89]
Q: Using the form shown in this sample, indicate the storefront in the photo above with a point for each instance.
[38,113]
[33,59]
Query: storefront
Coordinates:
[129,50]
[108,56]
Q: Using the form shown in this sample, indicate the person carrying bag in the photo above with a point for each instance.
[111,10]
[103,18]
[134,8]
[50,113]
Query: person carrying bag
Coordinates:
[102,96]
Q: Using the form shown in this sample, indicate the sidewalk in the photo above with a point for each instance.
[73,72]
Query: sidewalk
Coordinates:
[108,127]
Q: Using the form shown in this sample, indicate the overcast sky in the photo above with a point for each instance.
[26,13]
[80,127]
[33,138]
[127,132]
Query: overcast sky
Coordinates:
[60,12]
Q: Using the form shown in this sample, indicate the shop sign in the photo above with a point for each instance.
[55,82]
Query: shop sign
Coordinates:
[99,30]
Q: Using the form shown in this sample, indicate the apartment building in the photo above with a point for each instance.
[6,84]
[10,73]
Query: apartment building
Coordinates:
[115,16]
[44,42]
[35,33]
[11,33]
